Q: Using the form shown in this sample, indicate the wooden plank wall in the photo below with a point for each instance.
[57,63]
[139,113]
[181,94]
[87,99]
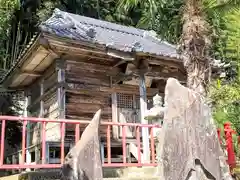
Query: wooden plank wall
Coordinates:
[89,89]
[82,105]
[50,100]
[33,111]
[50,103]
[47,100]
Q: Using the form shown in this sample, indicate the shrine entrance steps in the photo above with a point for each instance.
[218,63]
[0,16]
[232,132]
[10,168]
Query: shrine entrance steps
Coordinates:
[131,173]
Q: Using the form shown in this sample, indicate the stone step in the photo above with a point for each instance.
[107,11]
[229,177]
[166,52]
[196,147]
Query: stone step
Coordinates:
[15,177]
[131,173]
[136,178]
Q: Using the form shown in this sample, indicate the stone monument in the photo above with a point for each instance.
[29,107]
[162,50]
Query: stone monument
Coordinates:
[83,161]
[189,148]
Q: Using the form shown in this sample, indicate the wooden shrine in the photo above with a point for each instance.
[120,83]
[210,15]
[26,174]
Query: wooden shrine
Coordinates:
[77,65]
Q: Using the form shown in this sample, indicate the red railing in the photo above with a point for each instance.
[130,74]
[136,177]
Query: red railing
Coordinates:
[228,134]
[108,136]
[77,124]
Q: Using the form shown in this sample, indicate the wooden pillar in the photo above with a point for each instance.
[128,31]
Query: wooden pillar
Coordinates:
[143,108]
[25,114]
[114,113]
[60,67]
[41,113]
[61,95]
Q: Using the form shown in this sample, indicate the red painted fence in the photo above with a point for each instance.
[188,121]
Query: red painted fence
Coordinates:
[76,123]
[22,165]
[228,131]
[228,134]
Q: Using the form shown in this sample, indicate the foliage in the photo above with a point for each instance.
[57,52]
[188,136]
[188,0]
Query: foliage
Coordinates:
[166,18]
[225,99]
[223,18]
[226,93]
[9,106]
[100,9]
[232,34]
[7,10]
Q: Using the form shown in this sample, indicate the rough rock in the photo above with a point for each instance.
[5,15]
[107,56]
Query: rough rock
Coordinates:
[83,161]
[189,148]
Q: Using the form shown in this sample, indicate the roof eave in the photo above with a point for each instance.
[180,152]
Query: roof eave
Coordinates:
[105,49]
[7,79]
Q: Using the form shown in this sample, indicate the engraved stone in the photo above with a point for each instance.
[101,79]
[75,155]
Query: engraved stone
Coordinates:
[83,161]
[190,149]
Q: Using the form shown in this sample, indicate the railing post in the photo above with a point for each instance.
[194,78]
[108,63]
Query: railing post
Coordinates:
[238,145]
[143,108]
[229,145]
[219,135]
[2,141]
[26,114]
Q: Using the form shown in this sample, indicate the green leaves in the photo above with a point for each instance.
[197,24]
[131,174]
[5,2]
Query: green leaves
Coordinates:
[226,103]
[226,6]
[7,10]
[223,17]
[162,16]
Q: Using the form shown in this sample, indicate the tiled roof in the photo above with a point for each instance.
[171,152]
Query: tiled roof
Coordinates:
[111,35]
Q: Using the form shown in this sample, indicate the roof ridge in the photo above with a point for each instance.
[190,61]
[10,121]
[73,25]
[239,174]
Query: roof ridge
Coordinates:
[96,25]
[152,35]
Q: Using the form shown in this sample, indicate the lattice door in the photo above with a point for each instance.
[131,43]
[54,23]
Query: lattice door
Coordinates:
[129,112]
[126,113]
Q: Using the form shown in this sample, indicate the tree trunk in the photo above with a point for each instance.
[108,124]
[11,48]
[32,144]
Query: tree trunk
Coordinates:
[195,44]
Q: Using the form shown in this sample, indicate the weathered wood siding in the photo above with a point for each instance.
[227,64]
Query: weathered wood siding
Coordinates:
[34,111]
[89,89]
[80,104]
[50,106]
[50,89]
[50,102]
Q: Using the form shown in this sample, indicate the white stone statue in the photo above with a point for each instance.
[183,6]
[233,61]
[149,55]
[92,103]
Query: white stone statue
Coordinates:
[156,113]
